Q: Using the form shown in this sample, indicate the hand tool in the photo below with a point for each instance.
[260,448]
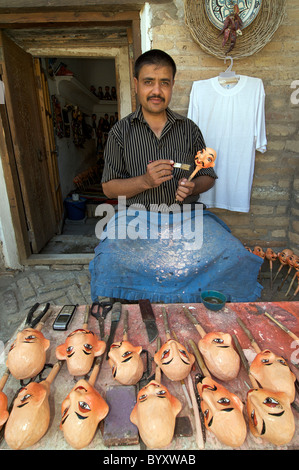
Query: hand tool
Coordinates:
[149,319]
[99,310]
[115,316]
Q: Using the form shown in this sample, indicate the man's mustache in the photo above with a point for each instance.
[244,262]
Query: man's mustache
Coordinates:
[155,96]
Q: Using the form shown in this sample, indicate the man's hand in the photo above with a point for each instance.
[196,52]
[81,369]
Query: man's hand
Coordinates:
[157,172]
[185,189]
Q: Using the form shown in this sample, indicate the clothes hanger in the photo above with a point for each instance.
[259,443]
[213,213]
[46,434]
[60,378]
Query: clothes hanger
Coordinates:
[228,77]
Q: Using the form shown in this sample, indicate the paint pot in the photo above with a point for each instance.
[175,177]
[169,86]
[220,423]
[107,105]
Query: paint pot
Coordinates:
[213,300]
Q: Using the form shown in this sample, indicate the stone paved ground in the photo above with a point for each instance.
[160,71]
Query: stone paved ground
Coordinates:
[58,285]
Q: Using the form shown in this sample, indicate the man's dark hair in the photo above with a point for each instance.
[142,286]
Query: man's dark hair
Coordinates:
[154,57]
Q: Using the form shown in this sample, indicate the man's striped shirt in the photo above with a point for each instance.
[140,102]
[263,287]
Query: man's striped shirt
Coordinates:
[131,145]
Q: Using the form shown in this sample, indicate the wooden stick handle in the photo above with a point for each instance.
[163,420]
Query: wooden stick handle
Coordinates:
[4,378]
[126,327]
[194,173]
[282,326]
[199,359]
[199,328]
[85,319]
[55,369]
[245,362]
[199,434]
[40,324]
[166,325]
[248,333]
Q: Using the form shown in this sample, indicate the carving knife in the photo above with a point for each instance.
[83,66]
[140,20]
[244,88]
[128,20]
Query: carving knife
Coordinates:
[149,319]
[115,316]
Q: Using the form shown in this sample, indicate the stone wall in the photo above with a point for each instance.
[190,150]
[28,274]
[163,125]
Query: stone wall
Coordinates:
[273,219]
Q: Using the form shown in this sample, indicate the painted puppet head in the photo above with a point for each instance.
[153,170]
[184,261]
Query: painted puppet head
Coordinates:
[125,362]
[3,409]
[221,358]
[270,254]
[284,255]
[258,250]
[272,372]
[174,360]
[30,416]
[82,410]
[27,355]
[223,412]
[154,414]
[293,261]
[79,350]
[205,158]
[270,416]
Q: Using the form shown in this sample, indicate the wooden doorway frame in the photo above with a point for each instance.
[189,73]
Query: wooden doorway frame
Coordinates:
[56,19]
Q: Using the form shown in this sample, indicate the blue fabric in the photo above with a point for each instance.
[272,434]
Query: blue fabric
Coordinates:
[170,269]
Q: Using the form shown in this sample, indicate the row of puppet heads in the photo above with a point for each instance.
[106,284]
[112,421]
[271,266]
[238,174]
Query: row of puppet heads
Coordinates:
[84,407]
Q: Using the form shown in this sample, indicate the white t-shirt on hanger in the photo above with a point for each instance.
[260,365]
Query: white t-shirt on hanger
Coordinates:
[232,121]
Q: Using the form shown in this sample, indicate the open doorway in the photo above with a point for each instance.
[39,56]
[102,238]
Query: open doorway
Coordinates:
[84,100]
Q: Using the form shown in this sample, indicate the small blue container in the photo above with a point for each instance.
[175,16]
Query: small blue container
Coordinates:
[213,300]
[75,209]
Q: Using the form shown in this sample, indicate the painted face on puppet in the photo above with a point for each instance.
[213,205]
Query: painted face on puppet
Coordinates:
[220,356]
[272,372]
[154,414]
[27,355]
[30,416]
[270,416]
[284,255]
[270,255]
[205,158]
[82,410]
[79,351]
[126,363]
[223,412]
[174,360]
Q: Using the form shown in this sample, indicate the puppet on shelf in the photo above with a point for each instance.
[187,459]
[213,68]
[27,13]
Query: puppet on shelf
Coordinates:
[80,349]
[82,410]
[271,257]
[30,416]
[292,262]
[231,29]
[222,410]
[125,360]
[217,349]
[155,417]
[283,259]
[173,358]
[27,355]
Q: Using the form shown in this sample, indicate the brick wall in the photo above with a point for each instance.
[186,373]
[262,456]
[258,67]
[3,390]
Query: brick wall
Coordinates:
[273,220]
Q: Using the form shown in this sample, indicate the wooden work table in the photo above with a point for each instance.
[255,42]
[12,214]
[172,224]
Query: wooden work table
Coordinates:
[266,333]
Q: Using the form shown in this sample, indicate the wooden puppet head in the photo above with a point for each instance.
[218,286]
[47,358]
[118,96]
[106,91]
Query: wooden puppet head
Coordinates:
[258,250]
[221,358]
[284,255]
[79,350]
[270,416]
[82,410]
[154,414]
[205,158]
[270,254]
[126,363]
[3,409]
[174,360]
[272,372]
[30,416]
[223,412]
[27,355]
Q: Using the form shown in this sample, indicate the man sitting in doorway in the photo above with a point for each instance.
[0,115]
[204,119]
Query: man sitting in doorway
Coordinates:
[168,259]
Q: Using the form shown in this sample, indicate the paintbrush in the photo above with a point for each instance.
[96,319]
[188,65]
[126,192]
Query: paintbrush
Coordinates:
[182,166]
